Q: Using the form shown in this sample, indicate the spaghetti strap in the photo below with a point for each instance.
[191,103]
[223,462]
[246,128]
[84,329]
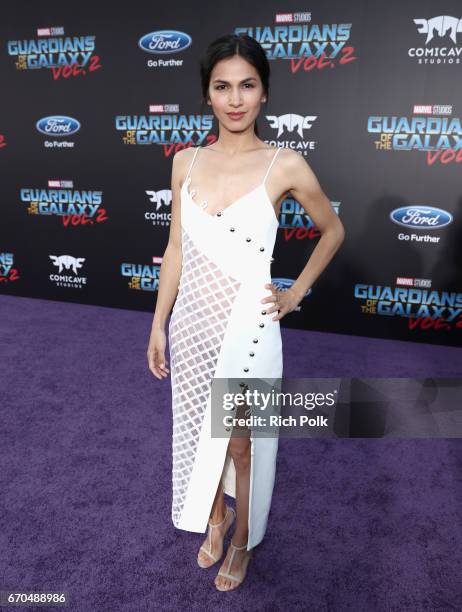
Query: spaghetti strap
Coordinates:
[272,161]
[192,162]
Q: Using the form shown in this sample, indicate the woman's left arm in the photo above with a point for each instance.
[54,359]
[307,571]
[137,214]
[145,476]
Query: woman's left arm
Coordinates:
[305,188]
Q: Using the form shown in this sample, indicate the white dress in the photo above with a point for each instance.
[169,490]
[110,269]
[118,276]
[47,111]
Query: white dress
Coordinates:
[218,329]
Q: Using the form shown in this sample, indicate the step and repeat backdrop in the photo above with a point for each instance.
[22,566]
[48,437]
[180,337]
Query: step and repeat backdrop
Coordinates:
[96,101]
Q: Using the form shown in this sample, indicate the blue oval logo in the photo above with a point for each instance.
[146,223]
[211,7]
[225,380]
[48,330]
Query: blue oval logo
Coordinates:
[421,217]
[164,41]
[58,125]
[283,284]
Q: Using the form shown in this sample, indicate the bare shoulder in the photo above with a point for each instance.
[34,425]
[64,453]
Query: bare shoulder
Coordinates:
[185,154]
[290,159]
[182,156]
[287,167]
[180,163]
[296,170]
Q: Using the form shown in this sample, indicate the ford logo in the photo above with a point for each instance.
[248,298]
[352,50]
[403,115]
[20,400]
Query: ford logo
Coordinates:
[58,125]
[283,284]
[421,217]
[164,41]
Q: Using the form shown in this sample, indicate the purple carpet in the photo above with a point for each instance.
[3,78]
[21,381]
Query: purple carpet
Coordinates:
[356,524]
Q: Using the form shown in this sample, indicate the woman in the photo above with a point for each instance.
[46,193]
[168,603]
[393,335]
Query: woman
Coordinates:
[224,324]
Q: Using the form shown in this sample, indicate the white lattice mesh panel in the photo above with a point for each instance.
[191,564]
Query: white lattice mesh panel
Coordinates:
[197,326]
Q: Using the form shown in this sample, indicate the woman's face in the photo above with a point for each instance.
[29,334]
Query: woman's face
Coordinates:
[235,87]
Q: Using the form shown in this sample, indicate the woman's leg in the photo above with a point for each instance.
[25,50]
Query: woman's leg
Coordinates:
[218,507]
[214,539]
[239,449]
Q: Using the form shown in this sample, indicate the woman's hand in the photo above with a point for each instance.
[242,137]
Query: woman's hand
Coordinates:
[284,301]
[156,353]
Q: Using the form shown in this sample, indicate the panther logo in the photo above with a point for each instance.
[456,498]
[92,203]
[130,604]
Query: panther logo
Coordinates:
[441,24]
[67,262]
[291,122]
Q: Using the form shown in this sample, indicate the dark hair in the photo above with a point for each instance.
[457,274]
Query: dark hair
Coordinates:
[228,46]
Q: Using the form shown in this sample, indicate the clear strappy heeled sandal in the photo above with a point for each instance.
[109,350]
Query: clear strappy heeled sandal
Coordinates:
[243,571]
[208,552]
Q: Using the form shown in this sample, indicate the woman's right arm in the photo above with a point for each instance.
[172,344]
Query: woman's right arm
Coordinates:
[169,278]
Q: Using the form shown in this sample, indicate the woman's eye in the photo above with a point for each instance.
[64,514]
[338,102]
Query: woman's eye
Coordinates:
[249,85]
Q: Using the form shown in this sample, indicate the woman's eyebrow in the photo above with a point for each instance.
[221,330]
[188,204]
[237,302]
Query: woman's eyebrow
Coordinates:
[243,80]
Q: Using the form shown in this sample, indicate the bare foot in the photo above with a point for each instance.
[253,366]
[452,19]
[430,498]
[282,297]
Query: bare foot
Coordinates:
[213,543]
[238,568]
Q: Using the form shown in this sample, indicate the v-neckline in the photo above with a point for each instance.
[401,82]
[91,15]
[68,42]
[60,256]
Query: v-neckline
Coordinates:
[184,187]
[222,210]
